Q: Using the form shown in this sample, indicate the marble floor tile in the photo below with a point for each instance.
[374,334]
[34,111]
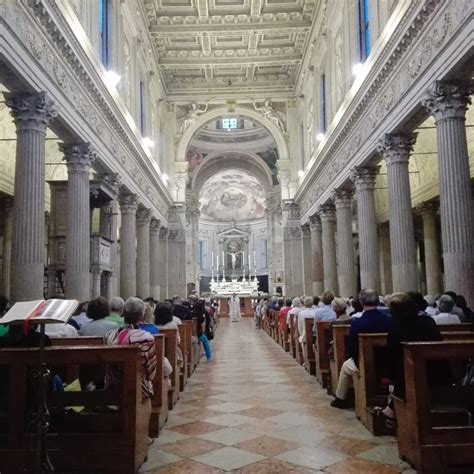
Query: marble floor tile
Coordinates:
[167,436]
[305,435]
[311,457]
[195,428]
[228,458]
[229,419]
[229,436]
[157,459]
[274,466]
[187,466]
[386,454]
[357,466]
[230,407]
[196,447]
[260,412]
[268,446]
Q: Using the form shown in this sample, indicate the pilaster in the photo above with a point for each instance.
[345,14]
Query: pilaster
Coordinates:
[317,254]
[143,220]
[327,214]
[155,267]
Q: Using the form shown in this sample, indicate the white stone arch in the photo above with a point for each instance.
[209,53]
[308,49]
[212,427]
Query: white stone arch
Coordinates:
[275,132]
[231,159]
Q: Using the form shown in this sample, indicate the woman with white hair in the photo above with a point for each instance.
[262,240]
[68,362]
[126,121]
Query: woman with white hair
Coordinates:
[445,308]
[295,309]
[431,308]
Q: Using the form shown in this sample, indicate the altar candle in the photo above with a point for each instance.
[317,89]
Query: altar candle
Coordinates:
[212,261]
[249,264]
[223,259]
[243,259]
[254,259]
[217,262]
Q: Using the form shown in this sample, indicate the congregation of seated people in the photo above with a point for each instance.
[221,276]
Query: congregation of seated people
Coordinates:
[404,317]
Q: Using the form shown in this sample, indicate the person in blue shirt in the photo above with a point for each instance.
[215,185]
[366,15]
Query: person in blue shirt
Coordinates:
[371,321]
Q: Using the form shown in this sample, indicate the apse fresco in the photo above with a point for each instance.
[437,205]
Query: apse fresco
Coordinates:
[232,196]
[194,159]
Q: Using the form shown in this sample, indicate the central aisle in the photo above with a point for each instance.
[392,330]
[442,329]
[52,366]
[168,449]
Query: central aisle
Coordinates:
[254,410]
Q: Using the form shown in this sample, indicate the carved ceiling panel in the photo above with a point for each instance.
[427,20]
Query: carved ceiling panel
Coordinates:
[222,44]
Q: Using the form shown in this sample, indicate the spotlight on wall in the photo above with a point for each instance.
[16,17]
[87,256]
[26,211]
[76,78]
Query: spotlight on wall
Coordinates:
[320,137]
[164,176]
[147,141]
[357,69]
[112,78]
[300,173]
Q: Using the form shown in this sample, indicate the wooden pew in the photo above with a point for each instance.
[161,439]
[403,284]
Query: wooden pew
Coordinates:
[283,334]
[430,446]
[298,349]
[189,346]
[309,356]
[369,391]
[159,402]
[95,440]
[171,343]
[340,333]
[183,370]
[293,324]
[323,339]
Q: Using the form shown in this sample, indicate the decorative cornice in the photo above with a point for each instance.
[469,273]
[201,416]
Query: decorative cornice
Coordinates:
[96,106]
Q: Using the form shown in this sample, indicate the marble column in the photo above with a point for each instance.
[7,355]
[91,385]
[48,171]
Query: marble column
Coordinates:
[364,178]
[448,102]
[163,256]
[78,157]
[385,259]
[432,251]
[396,149]
[317,254]
[143,252]
[327,213]
[31,114]
[346,269]
[307,259]
[7,245]
[128,255]
[96,280]
[155,267]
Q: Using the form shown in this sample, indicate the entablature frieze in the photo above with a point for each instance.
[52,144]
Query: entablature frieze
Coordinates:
[40,28]
[390,92]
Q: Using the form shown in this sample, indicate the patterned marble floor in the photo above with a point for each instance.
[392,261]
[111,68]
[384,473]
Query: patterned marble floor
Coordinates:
[254,410]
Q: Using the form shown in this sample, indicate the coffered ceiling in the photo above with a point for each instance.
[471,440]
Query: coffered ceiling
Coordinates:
[206,46]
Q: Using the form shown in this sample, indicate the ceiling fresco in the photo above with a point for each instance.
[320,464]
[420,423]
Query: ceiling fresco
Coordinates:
[232,195]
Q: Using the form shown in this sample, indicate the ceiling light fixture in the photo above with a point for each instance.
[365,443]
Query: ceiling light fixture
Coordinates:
[164,177]
[147,141]
[300,173]
[320,137]
[358,69]
[112,78]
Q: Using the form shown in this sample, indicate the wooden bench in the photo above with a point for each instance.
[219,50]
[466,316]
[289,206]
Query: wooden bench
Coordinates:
[323,340]
[95,440]
[309,356]
[427,444]
[296,342]
[373,368]
[159,402]
[184,330]
[283,333]
[171,344]
[340,334]
[293,324]
[189,346]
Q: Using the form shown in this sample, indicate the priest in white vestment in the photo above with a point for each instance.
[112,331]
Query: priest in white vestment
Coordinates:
[234,308]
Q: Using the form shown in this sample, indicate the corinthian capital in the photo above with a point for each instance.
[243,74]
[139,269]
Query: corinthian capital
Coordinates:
[154,226]
[447,100]
[128,203]
[144,216]
[364,177]
[343,197]
[31,111]
[315,223]
[396,147]
[327,212]
[78,156]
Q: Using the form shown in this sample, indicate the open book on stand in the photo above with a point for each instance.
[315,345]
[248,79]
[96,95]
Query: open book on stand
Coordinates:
[40,312]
